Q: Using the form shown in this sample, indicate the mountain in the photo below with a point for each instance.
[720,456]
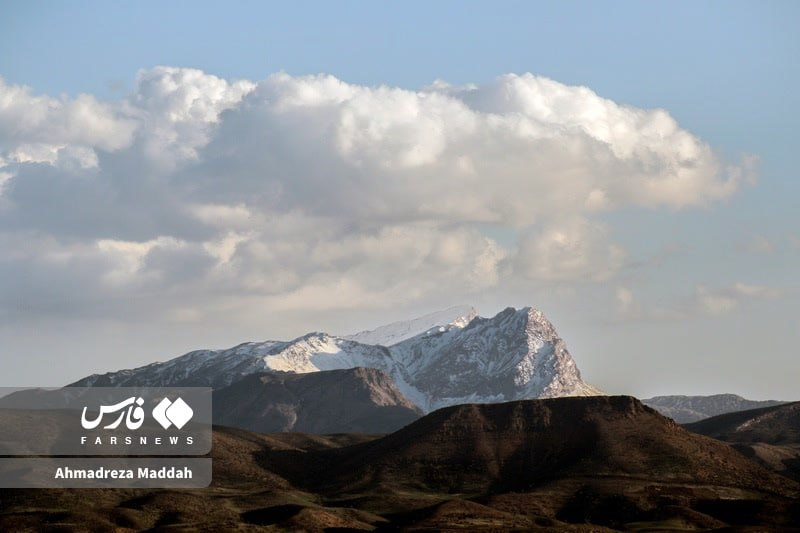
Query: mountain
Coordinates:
[357,400]
[517,446]
[199,368]
[566,464]
[770,435]
[457,316]
[687,409]
[514,355]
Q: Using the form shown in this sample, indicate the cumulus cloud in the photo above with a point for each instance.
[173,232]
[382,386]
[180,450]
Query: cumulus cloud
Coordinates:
[27,119]
[309,191]
[177,109]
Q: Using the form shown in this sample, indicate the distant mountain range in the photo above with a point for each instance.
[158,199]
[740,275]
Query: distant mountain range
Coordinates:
[779,424]
[446,358]
[687,409]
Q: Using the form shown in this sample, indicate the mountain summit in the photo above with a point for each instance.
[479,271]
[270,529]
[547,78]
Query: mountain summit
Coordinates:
[514,355]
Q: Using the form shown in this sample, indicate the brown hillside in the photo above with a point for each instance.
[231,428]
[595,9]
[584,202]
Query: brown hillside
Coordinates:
[518,446]
[570,464]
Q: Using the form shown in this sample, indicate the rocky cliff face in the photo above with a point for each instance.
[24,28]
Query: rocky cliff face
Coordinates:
[515,355]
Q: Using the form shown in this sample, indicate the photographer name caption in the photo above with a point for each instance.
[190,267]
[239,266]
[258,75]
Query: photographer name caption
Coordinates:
[105,473]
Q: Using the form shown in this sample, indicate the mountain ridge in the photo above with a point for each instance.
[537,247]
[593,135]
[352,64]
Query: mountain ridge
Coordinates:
[688,409]
[518,445]
[516,354]
[396,332]
[768,435]
[776,424]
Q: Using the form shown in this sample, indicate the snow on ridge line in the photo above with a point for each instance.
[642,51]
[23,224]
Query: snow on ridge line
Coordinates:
[457,316]
[516,354]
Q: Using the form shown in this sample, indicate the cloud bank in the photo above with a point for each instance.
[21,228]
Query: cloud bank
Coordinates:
[197,194]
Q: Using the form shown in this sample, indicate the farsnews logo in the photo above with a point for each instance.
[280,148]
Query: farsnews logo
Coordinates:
[167,413]
[134,420]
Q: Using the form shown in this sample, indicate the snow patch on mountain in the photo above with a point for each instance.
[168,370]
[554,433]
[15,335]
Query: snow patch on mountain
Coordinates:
[454,317]
[206,368]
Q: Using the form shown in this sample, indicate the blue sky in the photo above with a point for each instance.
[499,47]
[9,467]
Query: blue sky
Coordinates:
[720,277]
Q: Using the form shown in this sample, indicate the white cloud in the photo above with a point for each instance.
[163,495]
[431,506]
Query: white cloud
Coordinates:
[224,216]
[177,109]
[225,248]
[129,257]
[513,152]
[570,250]
[309,191]
[29,119]
[718,301]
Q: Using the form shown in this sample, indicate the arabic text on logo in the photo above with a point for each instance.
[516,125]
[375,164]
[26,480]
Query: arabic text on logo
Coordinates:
[133,421]
[167,413]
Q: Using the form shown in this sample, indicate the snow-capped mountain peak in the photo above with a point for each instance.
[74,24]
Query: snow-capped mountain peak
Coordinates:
[454,357]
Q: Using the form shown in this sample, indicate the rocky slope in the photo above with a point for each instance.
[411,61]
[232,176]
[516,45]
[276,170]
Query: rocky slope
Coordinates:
[770,435]
[776,425]
[517,446]
[358,400]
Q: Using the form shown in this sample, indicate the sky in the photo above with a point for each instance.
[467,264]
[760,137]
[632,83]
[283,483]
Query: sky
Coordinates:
[187,175]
